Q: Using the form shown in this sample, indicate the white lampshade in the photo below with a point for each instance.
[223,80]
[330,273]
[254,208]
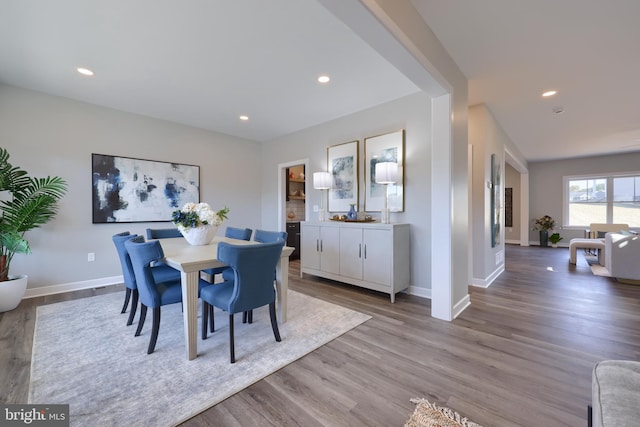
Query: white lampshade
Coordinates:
[386,173]
[321,180]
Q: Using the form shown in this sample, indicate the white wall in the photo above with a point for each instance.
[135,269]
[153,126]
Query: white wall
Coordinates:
[48,135]
[546,190]
[422,58]
[410,113]
[487,138]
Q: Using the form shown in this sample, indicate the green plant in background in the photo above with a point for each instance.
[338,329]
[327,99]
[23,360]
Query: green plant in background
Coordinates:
[27,204]
[544,223]
[555,238]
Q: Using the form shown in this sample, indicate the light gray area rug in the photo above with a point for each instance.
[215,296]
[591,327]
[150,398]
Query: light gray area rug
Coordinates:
[84,355]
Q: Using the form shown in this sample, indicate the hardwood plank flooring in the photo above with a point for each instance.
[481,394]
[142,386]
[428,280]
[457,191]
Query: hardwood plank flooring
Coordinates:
[520,355]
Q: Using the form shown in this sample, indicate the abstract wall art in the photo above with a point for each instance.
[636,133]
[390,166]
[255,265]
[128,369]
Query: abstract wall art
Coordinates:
[342,164]
[125,189]
[384,148]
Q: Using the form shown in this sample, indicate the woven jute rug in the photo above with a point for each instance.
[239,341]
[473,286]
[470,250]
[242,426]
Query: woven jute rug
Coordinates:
[429,414]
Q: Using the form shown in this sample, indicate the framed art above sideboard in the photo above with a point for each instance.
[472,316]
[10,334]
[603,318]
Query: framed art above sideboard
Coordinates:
[388,147]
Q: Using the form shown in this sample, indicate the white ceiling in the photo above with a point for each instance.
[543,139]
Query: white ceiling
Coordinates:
[205,62]
[513,50]
[198,62]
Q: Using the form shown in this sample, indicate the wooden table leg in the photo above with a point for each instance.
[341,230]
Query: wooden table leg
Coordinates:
[282,286]
[190,312]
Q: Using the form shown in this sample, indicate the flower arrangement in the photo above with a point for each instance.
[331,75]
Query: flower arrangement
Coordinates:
[544,223]
[197,214]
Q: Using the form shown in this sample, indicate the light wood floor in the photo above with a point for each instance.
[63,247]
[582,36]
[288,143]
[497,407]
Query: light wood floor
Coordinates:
[521,355]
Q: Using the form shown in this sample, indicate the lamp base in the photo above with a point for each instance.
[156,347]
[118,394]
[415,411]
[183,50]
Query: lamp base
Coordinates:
[385,216]
[322,215]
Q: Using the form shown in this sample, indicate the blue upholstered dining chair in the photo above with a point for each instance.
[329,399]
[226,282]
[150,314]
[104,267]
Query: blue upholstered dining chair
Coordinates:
[153,293]
[252,286]
[263,236]
[163,233]
[232,233]
[160,273]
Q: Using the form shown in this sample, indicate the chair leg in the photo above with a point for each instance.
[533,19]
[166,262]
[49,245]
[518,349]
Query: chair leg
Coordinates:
[250,316]
[127,295]
[245,316]
[274,321]
[205,319]
[154,330]
[211,319]
[231,342]
[143,315]
[134,306]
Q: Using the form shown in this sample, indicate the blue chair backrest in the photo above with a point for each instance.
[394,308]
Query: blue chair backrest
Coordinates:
[238,233]
[125,260]
[253,267]
[263,236]
[163,233]
[142,254]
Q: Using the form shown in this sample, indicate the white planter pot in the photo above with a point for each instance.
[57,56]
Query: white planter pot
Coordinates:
[11,292]
[199,236]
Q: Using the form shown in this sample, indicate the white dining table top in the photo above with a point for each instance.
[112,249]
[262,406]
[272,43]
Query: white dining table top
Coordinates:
[182,256]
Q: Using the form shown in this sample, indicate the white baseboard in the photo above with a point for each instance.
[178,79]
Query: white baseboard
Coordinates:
[419,292]
[75,286]
[560,245]
[461,305]
[512,242]
[485,283]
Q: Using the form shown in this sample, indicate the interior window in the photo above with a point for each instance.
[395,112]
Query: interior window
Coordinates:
[626,200]
[604,199]
[587,201]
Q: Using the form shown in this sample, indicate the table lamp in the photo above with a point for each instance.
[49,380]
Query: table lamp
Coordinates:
[321,181]
[386,173]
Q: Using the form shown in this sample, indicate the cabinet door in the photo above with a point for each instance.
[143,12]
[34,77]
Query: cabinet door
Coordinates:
[330,249]
[310,247]
[378,252]
[351,252]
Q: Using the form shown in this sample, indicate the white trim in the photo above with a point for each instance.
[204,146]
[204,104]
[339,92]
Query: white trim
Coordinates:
[608,177]
[75,286]
[419,291]
[512,242]
[485,283]
[282,196]
[461,305]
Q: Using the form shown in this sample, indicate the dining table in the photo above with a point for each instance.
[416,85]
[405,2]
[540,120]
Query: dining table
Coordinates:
[190,260]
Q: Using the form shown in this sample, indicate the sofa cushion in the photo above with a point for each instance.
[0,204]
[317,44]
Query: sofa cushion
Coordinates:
[616,393]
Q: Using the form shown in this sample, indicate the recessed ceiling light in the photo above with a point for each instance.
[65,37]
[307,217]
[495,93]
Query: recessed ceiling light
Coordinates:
[324,79]
[85,71]
[244,118]
[549,93]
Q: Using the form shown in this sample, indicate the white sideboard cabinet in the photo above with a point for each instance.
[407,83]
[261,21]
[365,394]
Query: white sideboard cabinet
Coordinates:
[371,255]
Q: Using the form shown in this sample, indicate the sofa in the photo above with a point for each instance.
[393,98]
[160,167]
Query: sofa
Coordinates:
[622,256]
[615,393]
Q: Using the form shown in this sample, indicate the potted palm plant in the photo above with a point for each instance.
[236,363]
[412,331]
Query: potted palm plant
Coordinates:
[26,203]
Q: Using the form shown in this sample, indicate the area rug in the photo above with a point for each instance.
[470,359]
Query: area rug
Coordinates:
[429,414]
[85,356]
[596,268]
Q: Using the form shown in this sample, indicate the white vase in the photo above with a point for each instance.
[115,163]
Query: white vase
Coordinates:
[11,292]
[198,236]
